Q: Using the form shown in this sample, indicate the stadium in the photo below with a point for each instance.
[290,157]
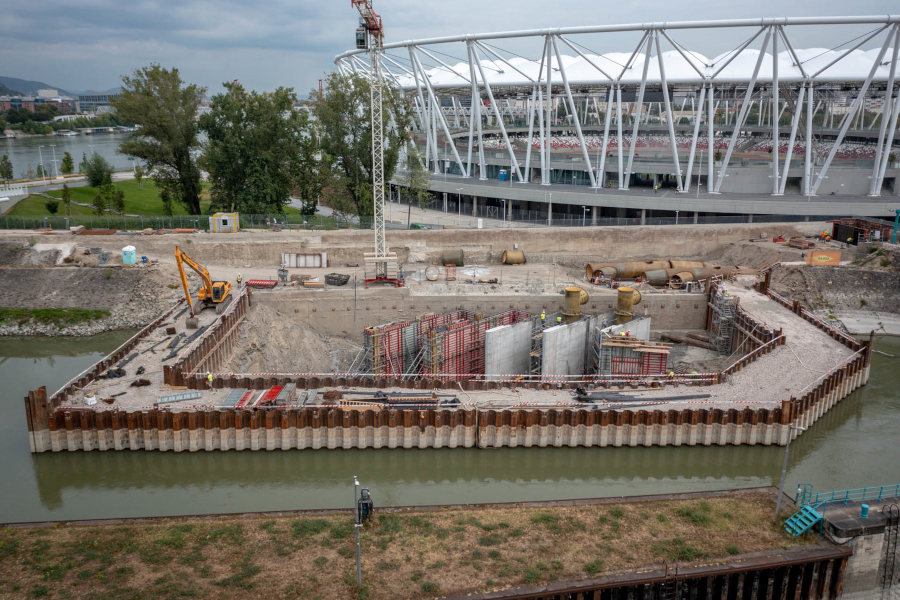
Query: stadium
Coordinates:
[804,119]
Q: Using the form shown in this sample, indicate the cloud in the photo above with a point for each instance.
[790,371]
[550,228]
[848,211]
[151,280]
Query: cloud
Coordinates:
[269,43]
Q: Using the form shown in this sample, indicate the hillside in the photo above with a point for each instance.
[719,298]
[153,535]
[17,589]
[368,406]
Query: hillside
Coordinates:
[27,87]
[5,91]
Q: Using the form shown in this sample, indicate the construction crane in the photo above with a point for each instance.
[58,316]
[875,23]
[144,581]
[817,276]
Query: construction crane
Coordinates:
[370,35]
[211,293]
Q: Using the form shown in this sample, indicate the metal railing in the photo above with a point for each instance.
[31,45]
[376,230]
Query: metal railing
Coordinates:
[805,495]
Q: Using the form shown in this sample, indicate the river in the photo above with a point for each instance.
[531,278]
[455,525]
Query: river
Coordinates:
[854,445]
[28,150]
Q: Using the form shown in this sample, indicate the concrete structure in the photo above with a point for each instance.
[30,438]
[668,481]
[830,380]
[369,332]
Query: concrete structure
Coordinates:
[564,349]
[599,121]
[506,350]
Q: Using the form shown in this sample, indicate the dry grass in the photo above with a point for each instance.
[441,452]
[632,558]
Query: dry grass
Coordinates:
[405,555]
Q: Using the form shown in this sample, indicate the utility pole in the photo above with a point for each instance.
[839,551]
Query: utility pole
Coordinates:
[787,447]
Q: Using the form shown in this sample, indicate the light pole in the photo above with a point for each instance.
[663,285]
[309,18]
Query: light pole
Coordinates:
[503,216]
[356,526]
[550,211]
[676,217]
[446,162]
[459,207]
[53,146]
[91,146]
[791,427]
[41,155]
[584,216]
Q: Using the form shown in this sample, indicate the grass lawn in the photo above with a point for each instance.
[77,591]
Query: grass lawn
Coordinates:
[405,555]
[138,201]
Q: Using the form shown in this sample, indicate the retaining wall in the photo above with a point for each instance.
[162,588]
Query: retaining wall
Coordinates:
[55,428]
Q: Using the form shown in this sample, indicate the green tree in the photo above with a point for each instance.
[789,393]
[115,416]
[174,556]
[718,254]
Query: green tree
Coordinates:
[118,200]
[82,166]
[97,169]
[415,179]
[166,196]
[99,203]
[66,197]
[52,206]
[40,171]
[3,124]
[139,176]
[157,99]
[259,149]
[67,165]
[6,168]
[343,118]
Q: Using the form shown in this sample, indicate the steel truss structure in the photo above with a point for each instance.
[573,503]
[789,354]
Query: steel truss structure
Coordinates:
[491,89]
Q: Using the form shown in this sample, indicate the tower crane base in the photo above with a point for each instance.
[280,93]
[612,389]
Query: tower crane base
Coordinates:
[396,282]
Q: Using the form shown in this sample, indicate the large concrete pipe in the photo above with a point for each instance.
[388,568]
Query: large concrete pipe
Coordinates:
[452,257]
[678,280]
[514,257]
[625,270]
[627,299]
[575,297]
[656,277]
[682,265]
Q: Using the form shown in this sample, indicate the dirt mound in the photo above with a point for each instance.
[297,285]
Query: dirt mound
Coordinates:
[828,289]
[751,254]
[36,255]
[269,342]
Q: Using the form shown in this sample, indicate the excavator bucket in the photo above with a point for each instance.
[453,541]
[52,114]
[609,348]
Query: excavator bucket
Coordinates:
[192,323]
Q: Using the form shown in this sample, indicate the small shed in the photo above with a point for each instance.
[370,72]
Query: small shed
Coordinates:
[129,255]
[224,223]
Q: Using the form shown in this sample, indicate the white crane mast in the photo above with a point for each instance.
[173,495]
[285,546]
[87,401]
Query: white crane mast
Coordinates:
[371,34]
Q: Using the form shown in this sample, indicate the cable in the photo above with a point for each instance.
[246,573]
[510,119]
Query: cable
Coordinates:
[507,51]
[727,54]
[801,362]
[597,54]
[836,47]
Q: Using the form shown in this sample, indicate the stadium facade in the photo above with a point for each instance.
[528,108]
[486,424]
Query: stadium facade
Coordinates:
[794,131]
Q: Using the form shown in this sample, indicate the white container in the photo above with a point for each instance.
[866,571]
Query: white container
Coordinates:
[129,255]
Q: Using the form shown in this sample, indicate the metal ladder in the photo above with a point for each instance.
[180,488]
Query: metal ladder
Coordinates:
[670,585]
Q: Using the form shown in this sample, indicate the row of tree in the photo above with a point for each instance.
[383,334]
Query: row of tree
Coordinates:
[259,150]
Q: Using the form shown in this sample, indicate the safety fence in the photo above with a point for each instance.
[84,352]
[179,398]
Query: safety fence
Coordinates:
[878,493]
[198,222]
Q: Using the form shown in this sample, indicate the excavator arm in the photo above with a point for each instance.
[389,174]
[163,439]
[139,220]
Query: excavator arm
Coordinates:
[181,258]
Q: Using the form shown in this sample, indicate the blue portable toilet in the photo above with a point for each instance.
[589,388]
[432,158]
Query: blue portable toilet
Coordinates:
[129,255]
[504,175]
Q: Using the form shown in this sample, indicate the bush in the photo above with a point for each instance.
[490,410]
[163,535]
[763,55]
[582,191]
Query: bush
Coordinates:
[593,567]
[98,170]
[52,206]
[885,262]
[732,550]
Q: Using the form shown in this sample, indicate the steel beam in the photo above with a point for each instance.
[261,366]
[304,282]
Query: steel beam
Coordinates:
[775,141]
[744,107]
[487,87]
[885,109]
[790,149]
[534,91]
[853,108]
[810,113]
[463,170]
[475,105]
[669,115]
[609,94]
[697,115]
[619,130]
[575,119]
[711,132]
[637,121]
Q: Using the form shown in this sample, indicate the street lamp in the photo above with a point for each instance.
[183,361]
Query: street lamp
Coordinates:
[584,216]
[459,207]
[43,170]
[53,146]
[791,427]
[91,146]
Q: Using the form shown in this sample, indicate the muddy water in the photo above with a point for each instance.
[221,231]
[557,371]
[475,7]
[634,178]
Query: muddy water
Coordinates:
[852,446]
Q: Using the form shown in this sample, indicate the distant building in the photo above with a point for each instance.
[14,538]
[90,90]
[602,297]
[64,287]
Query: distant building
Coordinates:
[5,103]
[48,93]
[93,102]
[65,118]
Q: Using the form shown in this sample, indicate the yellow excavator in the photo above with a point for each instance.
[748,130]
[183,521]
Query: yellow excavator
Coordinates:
[211,293]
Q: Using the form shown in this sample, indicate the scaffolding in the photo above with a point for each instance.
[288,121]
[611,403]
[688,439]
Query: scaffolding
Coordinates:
[442,345]
[721,326]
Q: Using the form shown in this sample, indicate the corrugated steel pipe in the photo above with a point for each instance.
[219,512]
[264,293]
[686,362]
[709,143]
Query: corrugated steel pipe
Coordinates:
[628,297]
[514,257]
[575,297]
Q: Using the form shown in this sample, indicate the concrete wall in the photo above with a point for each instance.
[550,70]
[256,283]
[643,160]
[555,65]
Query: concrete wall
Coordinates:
[335,312]
[563,349]
[507,350]
[484,246]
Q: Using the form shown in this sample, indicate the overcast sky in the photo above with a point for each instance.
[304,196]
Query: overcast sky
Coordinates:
[264,44]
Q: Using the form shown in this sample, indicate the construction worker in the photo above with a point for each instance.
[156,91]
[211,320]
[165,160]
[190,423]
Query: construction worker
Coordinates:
[671,374]
[655,188]
[209,378]
[622,333]
[849,240]
[543,317]
[240,278]
[558,320]
[628,333]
